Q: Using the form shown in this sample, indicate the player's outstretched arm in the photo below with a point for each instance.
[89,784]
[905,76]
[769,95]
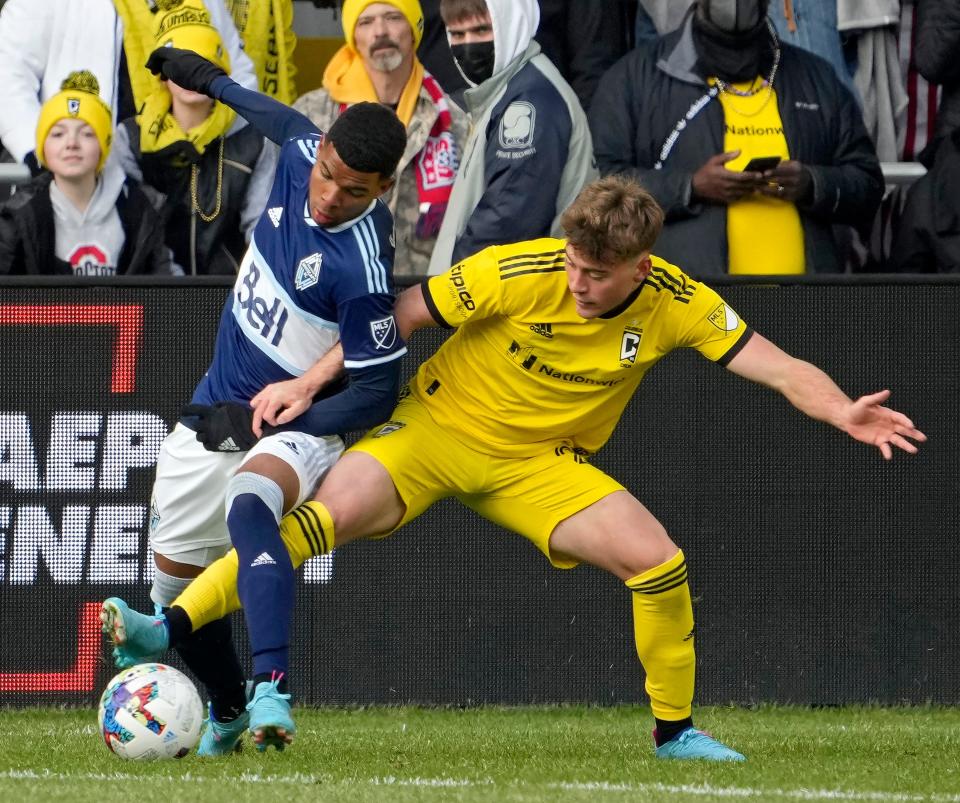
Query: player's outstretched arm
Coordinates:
[811,391]
[189,70]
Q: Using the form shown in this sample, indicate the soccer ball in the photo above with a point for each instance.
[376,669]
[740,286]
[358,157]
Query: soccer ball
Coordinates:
[150,711]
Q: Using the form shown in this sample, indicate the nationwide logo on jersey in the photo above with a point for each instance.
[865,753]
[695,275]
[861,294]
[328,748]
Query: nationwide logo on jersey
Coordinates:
[386,429]
[630,345]
[275,214]
[542,329]
[384,333]
[724,318]
[308,271]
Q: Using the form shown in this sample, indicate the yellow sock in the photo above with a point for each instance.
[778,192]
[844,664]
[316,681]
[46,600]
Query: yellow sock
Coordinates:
[212,594]
[306,531]
[663,629]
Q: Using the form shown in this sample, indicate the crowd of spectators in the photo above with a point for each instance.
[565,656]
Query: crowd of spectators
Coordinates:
[759,126]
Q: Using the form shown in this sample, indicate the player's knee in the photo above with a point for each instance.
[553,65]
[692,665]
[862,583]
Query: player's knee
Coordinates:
[638,554]
[248,491]
[166,588]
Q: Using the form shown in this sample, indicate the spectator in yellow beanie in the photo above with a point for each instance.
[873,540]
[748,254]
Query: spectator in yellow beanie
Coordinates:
[77,101]
[379,64]
[83,218]
[215,170]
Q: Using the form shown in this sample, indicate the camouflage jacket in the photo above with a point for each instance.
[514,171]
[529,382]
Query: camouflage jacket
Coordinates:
[413,254]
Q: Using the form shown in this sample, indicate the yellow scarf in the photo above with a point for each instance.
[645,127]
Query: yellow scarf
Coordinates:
[159,129]
[268,39]
[138,44]
[347,82]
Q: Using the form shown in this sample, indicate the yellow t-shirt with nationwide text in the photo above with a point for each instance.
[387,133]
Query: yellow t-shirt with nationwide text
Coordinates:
[524,369]
[764,235]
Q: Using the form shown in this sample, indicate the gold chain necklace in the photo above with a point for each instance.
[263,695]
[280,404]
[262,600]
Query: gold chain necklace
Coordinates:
[194,174]
[730,91]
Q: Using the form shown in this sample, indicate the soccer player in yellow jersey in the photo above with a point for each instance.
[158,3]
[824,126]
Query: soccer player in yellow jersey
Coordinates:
[552,338]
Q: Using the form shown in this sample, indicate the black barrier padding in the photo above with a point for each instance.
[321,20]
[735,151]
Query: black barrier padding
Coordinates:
[822,573]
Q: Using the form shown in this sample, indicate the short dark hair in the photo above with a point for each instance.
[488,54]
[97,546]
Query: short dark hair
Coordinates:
[369,138]
[613,219]
[452,11]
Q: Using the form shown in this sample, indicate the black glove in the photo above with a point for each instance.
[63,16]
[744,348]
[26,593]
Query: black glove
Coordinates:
[222,427]
[185,68]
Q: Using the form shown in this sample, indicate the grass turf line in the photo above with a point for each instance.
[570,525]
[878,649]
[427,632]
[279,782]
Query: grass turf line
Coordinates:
[511,754]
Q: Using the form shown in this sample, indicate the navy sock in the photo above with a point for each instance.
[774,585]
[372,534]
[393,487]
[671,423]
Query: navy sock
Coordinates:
[265,582]
[211,656]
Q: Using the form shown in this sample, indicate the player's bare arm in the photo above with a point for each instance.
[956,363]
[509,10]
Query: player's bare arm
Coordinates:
[811,391]
[411,311]
[280,402]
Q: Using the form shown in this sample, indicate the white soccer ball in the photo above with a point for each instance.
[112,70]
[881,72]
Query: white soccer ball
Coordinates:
[150,711]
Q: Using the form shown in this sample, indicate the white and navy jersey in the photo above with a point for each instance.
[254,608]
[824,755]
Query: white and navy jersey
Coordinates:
[302,287]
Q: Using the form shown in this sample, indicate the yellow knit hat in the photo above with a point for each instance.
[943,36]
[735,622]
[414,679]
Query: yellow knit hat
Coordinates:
[79,98]
[409,8]
[186,24]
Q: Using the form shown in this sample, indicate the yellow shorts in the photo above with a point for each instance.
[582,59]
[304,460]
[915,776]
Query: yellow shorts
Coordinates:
[529,495]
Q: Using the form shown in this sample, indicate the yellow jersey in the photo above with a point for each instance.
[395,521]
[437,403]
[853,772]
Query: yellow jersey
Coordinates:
[524,370]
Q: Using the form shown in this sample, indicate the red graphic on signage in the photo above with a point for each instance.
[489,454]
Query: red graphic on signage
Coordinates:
[80,676]
[127,318]
[128,322]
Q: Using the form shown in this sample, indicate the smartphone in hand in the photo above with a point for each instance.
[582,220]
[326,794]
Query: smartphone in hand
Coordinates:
[759,164]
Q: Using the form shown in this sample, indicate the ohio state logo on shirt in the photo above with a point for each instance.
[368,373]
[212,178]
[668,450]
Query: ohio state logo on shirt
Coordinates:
[91,260]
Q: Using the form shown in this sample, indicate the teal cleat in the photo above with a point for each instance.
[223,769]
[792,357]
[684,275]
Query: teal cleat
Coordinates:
[270,720]
[693,744]
[137,637]
[222,738]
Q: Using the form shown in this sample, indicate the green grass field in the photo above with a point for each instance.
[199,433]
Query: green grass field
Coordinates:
[510,754]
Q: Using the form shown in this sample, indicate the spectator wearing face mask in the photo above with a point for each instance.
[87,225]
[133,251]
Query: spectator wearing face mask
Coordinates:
[529,152]
[749,144]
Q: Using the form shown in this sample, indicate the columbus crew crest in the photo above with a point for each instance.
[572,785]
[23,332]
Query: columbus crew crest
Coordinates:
[630,345]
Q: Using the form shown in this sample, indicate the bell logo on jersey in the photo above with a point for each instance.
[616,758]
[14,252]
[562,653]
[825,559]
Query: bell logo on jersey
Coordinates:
[630,345]
[724,318]
[384,333]
[308,271]
[275,213]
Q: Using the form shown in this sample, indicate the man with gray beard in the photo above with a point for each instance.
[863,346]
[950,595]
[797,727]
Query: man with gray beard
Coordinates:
[378,63]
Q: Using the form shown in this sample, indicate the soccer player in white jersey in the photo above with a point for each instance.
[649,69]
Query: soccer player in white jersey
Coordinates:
[316,277]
